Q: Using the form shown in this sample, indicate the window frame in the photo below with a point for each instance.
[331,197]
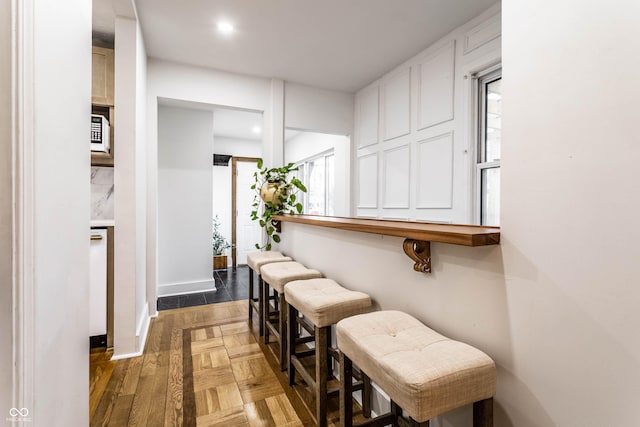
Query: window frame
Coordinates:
[481,80]
[304,164]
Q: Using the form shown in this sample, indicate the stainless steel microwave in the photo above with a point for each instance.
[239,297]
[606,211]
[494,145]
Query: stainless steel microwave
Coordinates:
[99,133]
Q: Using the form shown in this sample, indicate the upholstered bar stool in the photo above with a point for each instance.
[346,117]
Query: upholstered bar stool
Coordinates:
[277,275]
[323,302]
[424,373]
[255,260]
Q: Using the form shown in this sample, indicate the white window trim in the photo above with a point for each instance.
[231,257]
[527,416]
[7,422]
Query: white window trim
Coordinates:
[478,112]
[323,154]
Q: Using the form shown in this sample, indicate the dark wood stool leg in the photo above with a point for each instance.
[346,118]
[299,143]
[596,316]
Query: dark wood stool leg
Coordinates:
[366,395]
[396,411]
[329,358]
[260,304]
[321,375]
[292,332]
[266,310]
[346,390]
[483,413]
[250,297]
[282,330]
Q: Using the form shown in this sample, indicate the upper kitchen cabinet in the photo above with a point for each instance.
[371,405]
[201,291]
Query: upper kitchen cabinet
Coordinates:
[102,76]
[102,104]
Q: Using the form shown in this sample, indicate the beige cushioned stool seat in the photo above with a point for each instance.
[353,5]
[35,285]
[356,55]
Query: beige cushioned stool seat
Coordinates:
[255,260]
[324,302]
[278,274]
[424,372]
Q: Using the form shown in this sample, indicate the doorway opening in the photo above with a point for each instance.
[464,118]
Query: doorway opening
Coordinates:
[243,228]
[237,133]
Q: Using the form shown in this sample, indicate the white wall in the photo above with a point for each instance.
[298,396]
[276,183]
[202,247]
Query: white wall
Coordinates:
[187,83]
[142,301]
[222,177]
[6,214]
[131,318]
[571,265]
[309,144]
[185,149]
[555,304]
[53,212]
[318,110]
[414,142]
[309,107]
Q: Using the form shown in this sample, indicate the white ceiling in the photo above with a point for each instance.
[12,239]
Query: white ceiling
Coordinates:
[333,44]
[236,124]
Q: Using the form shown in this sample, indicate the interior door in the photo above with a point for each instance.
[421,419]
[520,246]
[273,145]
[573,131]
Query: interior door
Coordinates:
[246,232]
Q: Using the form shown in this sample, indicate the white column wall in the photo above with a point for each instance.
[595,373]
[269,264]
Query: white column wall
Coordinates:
[131,318]
[142,300]
[6,212]
[273,151]
[571,253]
[555,304]
[51,222]
[185,193]
[62,84]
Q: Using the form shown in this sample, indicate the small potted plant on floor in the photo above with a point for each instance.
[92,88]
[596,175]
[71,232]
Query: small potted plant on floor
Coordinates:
[276,188]
[220,245]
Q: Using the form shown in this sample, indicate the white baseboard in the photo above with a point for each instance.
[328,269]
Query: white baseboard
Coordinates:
[126,356]
[169,289]
[143,329]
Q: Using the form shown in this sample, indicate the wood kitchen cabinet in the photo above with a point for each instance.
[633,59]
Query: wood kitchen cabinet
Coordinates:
[102,98]
[102,76]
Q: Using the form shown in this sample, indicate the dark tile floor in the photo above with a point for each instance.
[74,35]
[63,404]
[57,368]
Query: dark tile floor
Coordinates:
[231,285]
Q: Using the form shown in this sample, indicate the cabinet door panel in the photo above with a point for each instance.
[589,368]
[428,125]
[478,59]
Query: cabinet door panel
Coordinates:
[102,76]
[98,283]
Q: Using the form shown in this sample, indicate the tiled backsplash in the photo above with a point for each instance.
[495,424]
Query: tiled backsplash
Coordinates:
[101,193]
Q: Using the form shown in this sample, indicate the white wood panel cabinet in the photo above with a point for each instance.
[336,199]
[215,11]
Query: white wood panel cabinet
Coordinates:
[98,283]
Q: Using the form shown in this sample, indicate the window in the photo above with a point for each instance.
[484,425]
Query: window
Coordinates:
[489,122]
[318,175]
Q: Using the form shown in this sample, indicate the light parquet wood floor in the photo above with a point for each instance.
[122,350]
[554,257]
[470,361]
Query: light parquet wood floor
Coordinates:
[202,366]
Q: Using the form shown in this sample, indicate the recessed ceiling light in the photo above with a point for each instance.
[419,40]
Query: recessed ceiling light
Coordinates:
[256,129]
[225,27]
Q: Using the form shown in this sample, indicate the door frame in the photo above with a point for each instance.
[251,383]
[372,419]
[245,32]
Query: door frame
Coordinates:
[234,208]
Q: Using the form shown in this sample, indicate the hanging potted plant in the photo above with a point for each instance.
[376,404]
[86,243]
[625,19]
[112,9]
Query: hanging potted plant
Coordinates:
[220,244]
[276,190]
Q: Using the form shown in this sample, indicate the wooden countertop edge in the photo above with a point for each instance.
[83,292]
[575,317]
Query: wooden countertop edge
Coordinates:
[466,235]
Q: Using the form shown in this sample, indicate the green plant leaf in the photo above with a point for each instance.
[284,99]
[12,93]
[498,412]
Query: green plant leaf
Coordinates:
[292,199]
[253,187]
[299,185]
[299,207]
[270,231]
[276,238]
[262,223]
[259,162]
[257,246]
[268,247]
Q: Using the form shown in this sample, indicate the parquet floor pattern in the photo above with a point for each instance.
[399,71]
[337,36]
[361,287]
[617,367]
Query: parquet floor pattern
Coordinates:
[202,366]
